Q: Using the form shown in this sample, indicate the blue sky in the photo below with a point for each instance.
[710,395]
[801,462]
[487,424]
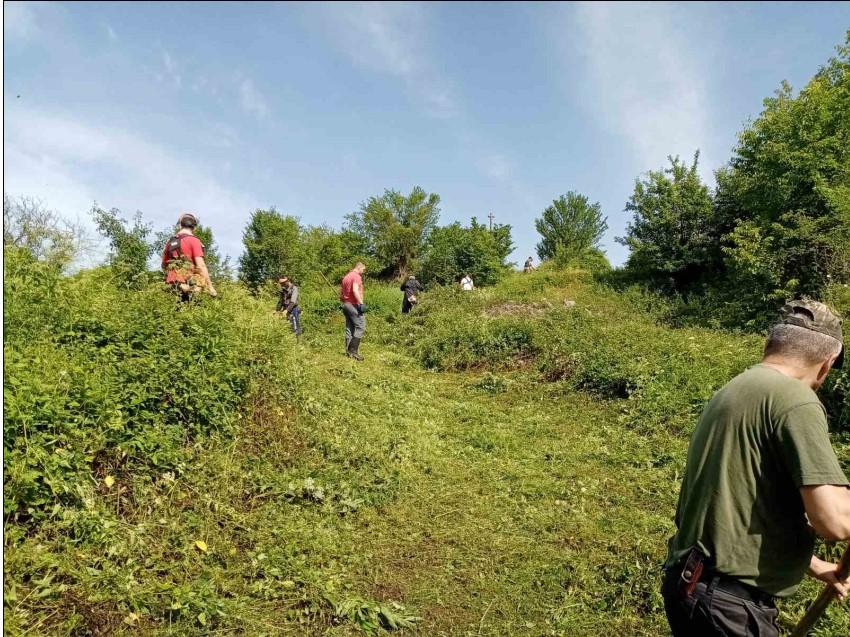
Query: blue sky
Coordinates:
[222,108]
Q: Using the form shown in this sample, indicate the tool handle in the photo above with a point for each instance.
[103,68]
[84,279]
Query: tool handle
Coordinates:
[827,595]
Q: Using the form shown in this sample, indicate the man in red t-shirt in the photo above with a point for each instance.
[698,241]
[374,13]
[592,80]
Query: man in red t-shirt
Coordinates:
[183,260]
[351,295]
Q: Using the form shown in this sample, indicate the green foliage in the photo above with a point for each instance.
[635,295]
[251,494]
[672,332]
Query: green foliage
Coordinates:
[592,259]
[100,378]
[453,251]
[333,253]
[787,188]
[395,228]
[570,227]
[613,350]
[28,224]
[273,247]
[671,237]
[778,225]
[371,617]
[130,246]
[304,493]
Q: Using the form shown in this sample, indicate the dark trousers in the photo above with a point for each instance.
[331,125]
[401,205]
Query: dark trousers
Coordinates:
[355,323]
[712,612]
[295,320]
[406,306]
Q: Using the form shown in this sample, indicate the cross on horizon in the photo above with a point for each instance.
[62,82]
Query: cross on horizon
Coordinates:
[491,217]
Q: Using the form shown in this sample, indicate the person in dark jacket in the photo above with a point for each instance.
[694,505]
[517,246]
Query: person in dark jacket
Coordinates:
[288,304]
[411,289]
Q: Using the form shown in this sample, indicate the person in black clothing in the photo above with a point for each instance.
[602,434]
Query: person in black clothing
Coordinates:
[288,304]
[411,289]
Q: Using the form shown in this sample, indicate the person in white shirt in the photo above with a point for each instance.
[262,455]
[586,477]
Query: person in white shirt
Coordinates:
[466,283]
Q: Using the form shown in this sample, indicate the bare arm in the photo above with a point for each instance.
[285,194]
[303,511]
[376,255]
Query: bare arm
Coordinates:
[828,509]
[828,572]
[357,290]
[202,268]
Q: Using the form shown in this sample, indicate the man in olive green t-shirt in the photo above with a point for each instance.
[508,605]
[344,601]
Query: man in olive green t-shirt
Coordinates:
[759,464]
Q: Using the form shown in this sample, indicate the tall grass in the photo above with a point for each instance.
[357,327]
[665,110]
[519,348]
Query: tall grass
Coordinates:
[501,463]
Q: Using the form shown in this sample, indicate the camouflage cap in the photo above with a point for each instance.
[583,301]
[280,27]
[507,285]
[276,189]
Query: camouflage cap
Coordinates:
[815,316]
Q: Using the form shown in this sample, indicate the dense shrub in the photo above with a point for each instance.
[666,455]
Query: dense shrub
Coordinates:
[101,378]
[588,337]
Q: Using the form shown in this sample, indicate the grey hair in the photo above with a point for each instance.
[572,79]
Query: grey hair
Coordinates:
[800,344]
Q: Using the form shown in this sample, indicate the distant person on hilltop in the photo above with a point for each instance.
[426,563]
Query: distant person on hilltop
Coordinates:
[466,283]
[183,260]
[411,289]
[759,463]
[351,295]
[529,266]
[287,304]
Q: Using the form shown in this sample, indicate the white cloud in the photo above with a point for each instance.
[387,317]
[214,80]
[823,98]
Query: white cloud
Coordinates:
[110,32]
[22,20]
[252,100]
[390,38]
[496,166]
[171,69]
[68,164]
[640,80]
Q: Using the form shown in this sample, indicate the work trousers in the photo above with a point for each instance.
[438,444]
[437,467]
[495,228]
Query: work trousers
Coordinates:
[355,323]
[712,612]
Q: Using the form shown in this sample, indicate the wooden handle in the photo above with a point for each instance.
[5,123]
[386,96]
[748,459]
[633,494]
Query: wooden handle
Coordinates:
[827,594]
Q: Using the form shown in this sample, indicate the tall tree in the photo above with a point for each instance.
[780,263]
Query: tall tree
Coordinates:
[395,227]
[671,236]
[787,189]
[130,245]
[570,227]
[453,251]
[273,247]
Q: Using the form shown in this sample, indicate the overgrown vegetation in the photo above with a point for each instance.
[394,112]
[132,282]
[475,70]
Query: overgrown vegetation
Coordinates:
[506,461]
[195,472]
[778,224]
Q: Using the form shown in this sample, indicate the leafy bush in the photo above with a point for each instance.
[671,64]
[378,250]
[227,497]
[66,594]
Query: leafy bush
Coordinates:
[453,251]
[130,246]
[596,340]
[101,380]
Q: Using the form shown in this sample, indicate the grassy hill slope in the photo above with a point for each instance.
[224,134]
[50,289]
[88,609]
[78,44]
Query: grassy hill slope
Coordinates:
[503,463]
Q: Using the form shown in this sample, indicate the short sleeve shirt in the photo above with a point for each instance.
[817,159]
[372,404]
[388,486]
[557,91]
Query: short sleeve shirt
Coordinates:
[190,247]
[347,290]
[759,439]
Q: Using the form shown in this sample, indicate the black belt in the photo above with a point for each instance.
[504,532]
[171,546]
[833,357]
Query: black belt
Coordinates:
[727,583]
[736,587]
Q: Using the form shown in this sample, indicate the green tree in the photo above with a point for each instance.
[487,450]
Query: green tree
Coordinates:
[273,247]
[569,227]
[331,253]
[29,224]
[395,228]
[672,236]
[453,251]
[130,245]
[786,190]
